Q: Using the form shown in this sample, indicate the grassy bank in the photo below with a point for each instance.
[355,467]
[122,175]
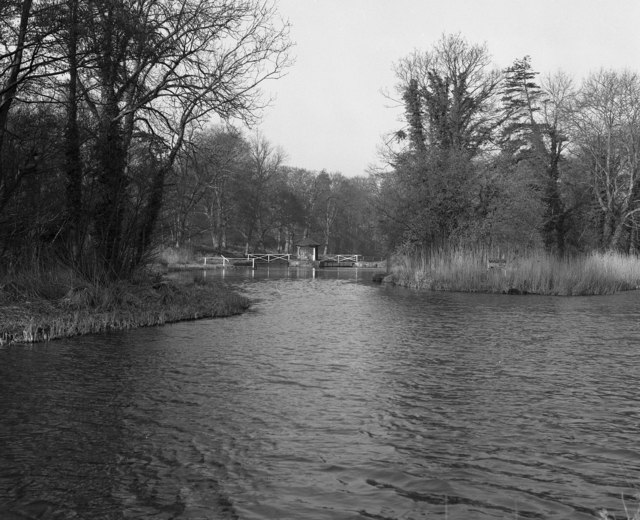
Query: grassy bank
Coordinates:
[56,305]
[536,273]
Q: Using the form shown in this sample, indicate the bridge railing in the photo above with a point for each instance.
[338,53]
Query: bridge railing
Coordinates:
[268,257]
[340,258]
[230,261]
[250,258]
[254,259]
[207,258]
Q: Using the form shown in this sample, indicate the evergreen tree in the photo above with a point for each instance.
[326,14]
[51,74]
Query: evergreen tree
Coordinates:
[521,101]
[532,133]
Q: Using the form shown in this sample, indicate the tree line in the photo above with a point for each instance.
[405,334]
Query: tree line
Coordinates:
[232,191]
[106,145]
[99,98]
[506,159]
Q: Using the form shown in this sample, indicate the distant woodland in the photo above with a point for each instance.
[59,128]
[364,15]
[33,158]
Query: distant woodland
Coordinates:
[107,149]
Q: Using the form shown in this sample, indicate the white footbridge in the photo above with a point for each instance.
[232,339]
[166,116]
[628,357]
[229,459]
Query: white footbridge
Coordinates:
[252,260]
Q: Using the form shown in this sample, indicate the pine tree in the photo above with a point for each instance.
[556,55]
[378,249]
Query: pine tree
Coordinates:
[521,101]
[527,135]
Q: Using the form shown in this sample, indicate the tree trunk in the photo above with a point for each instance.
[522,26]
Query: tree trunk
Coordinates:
[220,222]
[11,85]
[615,243]
[150,215]
[72,142]
[607,230]
[633,239]
[289,244]
[553,230]
[113,184]
[7,96]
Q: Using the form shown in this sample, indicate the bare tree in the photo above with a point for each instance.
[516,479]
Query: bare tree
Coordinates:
[151,69]
[24,58]
[255,189]
[201,180]
[606,125]
[329,203]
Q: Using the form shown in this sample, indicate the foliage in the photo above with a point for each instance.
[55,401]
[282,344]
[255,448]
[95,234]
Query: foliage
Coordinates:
[535,132]
[488,159]
[433,190]
[447,92]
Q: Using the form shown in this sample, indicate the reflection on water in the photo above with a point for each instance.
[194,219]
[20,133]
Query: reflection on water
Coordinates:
[332,398]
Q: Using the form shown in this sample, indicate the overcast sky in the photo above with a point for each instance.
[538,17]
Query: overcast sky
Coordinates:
[329,112]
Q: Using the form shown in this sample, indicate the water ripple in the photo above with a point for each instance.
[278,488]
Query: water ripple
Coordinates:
[333,398]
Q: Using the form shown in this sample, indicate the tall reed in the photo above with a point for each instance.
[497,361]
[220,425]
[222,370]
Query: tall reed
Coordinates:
[460,269]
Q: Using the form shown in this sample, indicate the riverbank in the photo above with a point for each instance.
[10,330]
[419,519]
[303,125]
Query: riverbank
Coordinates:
[28,317]
[536,273]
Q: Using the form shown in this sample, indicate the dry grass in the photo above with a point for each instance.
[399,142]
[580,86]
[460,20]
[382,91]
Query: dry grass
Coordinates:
[56,304]
[537,273]
[175,255]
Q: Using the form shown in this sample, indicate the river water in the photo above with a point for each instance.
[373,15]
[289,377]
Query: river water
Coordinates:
[332,398]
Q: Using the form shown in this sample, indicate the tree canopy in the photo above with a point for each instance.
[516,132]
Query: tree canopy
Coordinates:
[503,159]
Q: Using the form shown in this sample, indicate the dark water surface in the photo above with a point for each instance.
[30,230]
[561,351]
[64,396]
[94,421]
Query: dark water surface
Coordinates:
[333,398]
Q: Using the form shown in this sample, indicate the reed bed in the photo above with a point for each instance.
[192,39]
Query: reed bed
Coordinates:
[56,304]
[536,273]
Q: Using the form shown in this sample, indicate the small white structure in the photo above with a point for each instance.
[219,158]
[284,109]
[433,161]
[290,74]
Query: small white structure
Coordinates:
[308,249]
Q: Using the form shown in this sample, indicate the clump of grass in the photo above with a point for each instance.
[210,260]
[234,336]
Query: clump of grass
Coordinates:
[56,305]
[535,273]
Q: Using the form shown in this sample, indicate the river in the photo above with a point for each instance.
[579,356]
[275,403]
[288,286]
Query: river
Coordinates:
[332,398]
